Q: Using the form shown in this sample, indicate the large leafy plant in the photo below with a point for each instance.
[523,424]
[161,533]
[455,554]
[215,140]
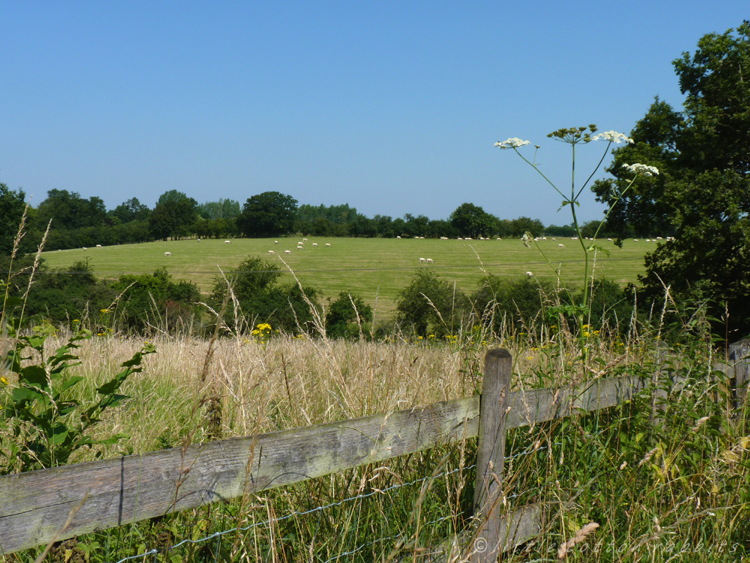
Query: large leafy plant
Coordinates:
[43,425]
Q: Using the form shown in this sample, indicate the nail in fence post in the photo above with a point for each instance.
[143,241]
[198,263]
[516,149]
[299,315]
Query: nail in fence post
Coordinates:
[498,365]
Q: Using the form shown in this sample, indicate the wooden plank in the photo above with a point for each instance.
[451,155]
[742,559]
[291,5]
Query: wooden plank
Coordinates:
[34,506]
[540,405]
[488,487]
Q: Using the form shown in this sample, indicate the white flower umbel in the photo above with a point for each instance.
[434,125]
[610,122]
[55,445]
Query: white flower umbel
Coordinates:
[641,169]
[512,143]
[613,137]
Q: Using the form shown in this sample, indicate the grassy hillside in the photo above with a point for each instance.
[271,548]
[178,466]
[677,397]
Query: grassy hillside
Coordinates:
[368,267]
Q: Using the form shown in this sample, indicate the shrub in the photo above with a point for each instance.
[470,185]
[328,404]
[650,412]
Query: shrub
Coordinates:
[518,304]
[341,319]
[429,302]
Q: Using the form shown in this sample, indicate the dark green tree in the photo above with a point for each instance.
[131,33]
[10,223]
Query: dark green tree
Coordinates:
[12,204]
[254,283]
[470,220]
[131,210]
[68,210]
[268,214]
[702,192]
[341,318]
[174,218]
[430,303]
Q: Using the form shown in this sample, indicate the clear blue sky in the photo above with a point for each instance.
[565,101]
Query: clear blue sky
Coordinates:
[391,107]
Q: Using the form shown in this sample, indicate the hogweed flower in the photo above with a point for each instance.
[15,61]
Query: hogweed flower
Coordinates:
[613,137]
[641,169]
[511,143]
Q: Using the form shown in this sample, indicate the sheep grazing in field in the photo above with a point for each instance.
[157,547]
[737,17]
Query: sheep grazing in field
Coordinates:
[276,242]
[199,240]
[315,244]
[398,236]
[85,249]
[529,274]
[227,242]
[422,260]
[635,240]
[553,238]
[467,238]
[328,244]
[304,239]
[498,238]
[609,239]
[443,238]
[287,252]
[271,252]
[430,261]
[459,238]
[98,245]
[300,248]
[167,254]
[560,245]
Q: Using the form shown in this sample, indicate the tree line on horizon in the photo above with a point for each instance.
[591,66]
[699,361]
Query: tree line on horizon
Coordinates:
[84,222]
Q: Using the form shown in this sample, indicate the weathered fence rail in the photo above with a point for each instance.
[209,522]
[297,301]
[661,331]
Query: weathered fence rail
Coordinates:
[50,505]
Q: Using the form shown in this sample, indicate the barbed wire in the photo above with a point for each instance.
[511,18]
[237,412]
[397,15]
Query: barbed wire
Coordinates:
[217,535]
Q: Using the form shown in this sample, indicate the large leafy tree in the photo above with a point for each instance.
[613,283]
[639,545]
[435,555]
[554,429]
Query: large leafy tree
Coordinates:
[268,214]
[12,204]
[173,218]
[472,221]
[702,194]
[69,210]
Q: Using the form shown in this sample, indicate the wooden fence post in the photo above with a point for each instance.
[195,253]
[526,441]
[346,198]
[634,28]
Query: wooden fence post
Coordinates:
[486,546]
[739,359]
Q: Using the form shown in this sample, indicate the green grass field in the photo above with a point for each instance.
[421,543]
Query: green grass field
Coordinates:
[367,267]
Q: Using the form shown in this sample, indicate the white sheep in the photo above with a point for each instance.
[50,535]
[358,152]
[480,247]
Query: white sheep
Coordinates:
[85,249]
[276,242]
[271,252]
[167,254]
[421,260]
[560,245]
[328,244]
[398,236]
[315,244]
[227,242]
[529,274]
[304,239]
[430,261]
[287,252]
[98,245]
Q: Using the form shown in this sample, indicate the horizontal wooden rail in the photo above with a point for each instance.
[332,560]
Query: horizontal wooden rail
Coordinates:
[54,504]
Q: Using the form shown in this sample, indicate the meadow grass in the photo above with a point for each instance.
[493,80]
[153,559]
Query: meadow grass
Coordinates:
[678,490]
[375,269]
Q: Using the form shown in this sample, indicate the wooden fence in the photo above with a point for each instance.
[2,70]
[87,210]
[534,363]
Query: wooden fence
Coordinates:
[40,507]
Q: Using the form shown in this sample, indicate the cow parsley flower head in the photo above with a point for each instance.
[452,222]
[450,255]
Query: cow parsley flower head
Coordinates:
[641,169]
[613,137]
[512,143]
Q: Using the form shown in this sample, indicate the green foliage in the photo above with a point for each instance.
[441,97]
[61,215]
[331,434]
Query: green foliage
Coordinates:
[701,194]
[345,316]
[12,204]
[431,303]
[268,214]
[470,220]
[512,304]
[42,426]
[155,300]
[174,218]
[261,300]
